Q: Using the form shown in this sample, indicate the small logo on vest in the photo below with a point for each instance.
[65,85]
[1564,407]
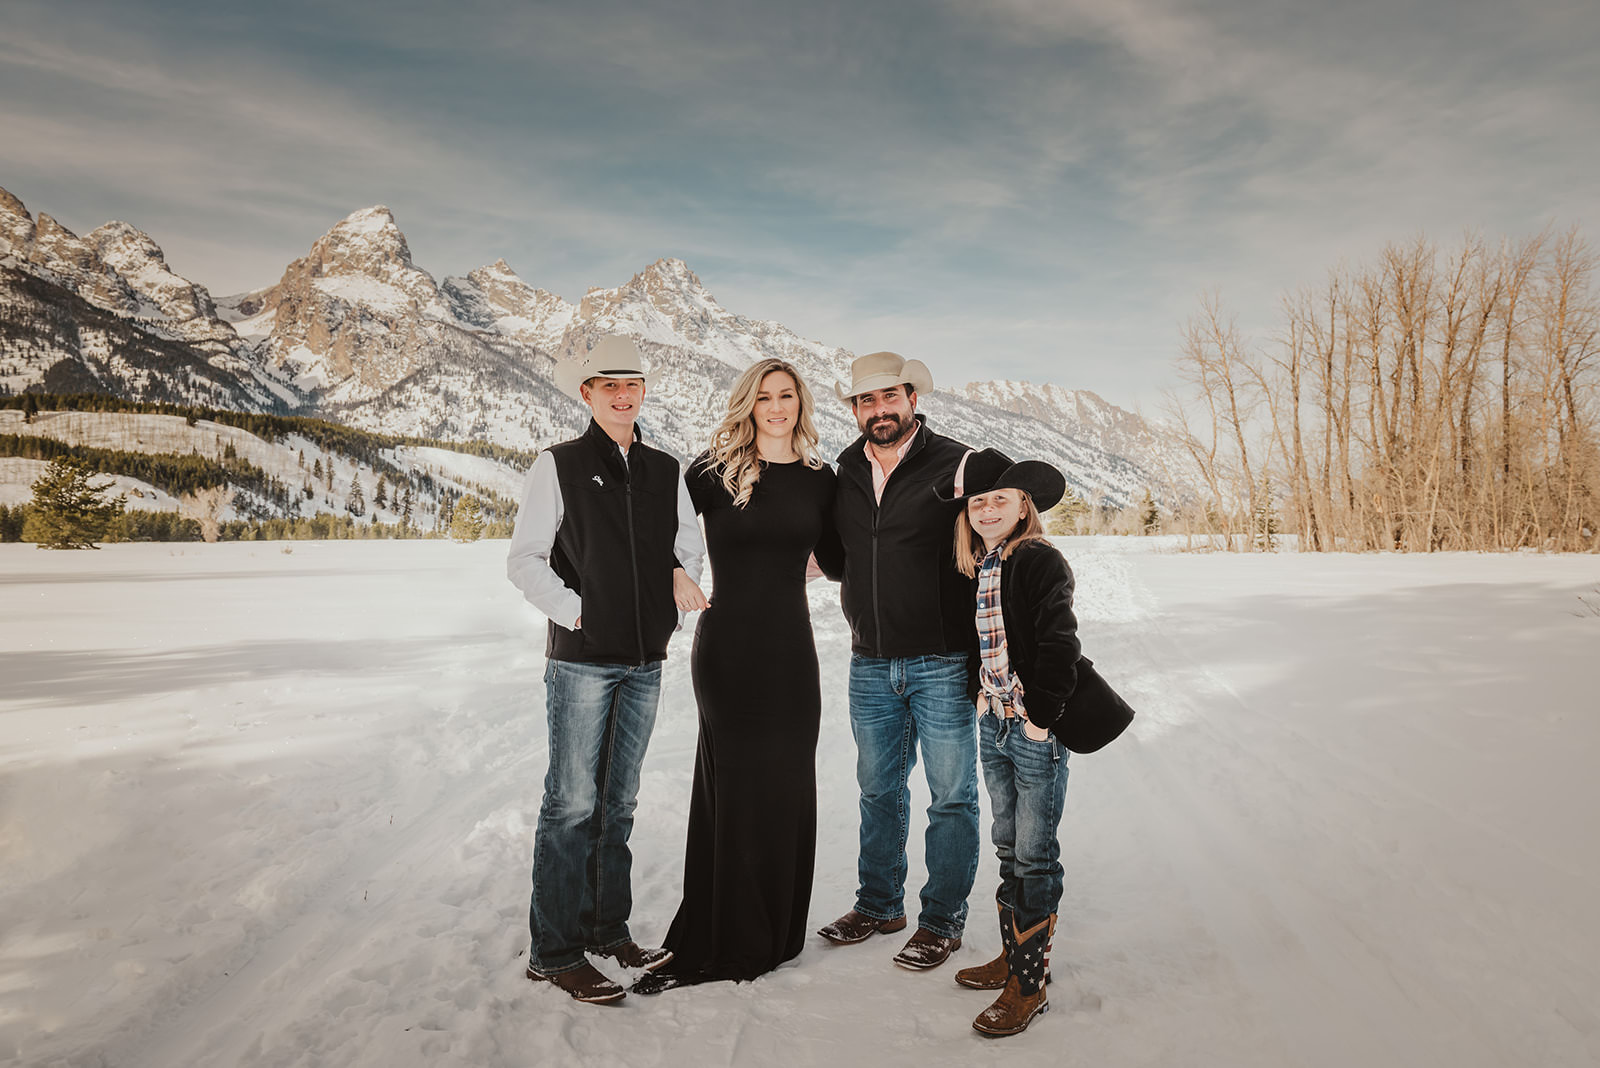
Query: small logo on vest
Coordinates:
[598,481]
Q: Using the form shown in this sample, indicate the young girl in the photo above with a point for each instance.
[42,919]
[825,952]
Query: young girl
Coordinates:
[1028,656]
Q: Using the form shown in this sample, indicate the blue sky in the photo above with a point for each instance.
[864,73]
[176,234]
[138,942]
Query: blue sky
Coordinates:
[1007,189]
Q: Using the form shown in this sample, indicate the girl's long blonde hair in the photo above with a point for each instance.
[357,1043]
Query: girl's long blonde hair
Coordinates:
[969,544]
[733,444]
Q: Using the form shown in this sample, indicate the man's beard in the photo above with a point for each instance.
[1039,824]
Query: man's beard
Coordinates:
[888,429]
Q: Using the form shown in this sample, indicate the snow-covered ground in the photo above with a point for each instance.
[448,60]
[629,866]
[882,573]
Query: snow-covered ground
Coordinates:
[272,805]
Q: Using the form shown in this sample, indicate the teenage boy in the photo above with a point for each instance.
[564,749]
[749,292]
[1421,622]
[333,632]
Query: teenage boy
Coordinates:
[607,546]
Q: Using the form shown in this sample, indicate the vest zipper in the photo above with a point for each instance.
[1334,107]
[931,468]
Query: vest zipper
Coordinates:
[633,556]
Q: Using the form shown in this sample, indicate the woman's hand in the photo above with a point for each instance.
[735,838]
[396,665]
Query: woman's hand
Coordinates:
[686,592]
[1037,734]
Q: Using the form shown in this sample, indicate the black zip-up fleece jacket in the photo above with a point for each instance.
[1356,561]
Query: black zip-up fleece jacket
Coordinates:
[901,593]
[615,549]
[1041,631]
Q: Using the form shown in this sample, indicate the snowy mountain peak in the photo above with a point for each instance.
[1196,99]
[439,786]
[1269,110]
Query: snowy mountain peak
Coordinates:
[669,281]
[498,273]
[672,269]
[354,310]
[495,298]
[163,294]
[364,242]
[125,240]
[668,287]
[375,219]
[16,227]
[61,256]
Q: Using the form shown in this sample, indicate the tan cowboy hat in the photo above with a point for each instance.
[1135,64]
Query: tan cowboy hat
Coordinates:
[880,370]
[613,356]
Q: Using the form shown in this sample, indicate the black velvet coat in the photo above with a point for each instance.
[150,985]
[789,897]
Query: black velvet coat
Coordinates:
[1041,631]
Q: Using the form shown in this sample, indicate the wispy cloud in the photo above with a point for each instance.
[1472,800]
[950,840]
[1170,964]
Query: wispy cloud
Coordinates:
[1016,188]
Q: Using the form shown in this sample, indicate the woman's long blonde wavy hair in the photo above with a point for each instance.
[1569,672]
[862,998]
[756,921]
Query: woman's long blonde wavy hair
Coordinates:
[733,444]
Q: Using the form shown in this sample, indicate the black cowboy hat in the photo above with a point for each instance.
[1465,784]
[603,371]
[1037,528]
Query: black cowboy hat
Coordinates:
[992,469]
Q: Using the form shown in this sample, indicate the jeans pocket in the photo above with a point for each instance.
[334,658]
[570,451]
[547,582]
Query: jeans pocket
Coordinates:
[1037,750]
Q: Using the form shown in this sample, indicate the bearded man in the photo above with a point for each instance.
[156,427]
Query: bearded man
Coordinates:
[912,632]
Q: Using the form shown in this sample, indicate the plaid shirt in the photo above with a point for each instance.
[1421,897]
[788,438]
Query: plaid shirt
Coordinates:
[1001,687]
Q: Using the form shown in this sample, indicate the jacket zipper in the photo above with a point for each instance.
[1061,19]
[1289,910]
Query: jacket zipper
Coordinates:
[877,616]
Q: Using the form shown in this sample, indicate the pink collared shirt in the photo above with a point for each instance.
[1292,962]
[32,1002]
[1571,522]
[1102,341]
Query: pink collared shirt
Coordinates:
[879,475]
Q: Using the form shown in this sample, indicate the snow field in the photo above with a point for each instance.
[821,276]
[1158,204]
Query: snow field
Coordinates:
[275,808]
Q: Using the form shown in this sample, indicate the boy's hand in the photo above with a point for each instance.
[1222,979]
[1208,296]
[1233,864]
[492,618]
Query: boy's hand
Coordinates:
[686,592]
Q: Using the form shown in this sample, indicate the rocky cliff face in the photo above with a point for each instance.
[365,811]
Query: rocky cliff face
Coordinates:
[354,315]
[496,300]
[116,267]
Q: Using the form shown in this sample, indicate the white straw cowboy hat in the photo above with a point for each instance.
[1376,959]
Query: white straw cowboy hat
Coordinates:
[613,356]
[880,370]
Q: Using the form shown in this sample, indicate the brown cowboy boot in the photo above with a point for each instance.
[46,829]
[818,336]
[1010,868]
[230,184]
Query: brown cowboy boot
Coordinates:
[1024,995]
[993,975]
[990,976]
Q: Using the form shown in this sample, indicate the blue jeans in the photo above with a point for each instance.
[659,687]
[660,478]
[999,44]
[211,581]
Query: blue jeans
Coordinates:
[1027,783]
[601,716]
[894,704]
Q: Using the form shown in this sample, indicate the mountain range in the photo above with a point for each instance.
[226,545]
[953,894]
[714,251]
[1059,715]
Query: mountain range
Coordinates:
[356,332]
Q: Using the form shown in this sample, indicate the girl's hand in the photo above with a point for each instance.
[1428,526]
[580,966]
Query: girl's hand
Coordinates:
[1037,734]
[686,592]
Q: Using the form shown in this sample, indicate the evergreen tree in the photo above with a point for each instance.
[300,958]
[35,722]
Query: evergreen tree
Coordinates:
[1264,521]
[12,521]
[69,511]
[30,405]
[467,523]
[316,469]
[1065,516]
[357,504]
[380,496]
[405,509]
[1149,515]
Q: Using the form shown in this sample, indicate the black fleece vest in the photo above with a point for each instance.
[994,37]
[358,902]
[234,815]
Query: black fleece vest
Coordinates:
[615,549]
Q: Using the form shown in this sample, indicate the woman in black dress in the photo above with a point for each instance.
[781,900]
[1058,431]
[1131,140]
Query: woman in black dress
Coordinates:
[766,497]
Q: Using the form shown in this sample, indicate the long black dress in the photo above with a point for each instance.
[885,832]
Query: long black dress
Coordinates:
[753,814]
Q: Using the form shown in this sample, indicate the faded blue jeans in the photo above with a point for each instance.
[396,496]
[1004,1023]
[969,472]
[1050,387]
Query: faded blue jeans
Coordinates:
[897,705]
[1027,783]
[600,717]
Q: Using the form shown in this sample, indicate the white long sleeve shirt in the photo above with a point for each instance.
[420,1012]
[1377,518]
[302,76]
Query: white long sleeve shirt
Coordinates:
[538,519]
